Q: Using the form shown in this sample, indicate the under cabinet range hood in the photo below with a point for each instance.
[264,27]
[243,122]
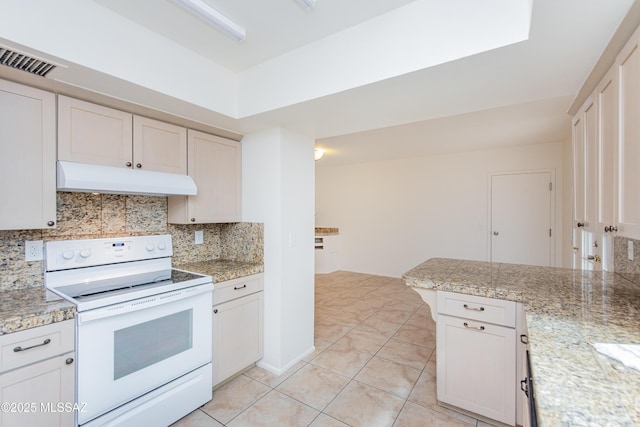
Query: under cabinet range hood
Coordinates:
[81,177]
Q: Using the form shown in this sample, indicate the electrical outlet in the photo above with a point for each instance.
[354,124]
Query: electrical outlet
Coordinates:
[33,250]
[630,250]
[199,237]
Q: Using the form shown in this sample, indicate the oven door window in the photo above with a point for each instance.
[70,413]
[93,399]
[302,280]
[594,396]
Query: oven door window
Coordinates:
[139,346]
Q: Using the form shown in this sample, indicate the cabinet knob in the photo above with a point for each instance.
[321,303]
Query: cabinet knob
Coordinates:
[128,164]
[610,229]
[139,165]
[69,361]
[51,223]
[215,311]
[580,224]
[193,220]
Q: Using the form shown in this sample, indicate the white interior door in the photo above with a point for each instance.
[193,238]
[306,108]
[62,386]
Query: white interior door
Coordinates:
[521,218]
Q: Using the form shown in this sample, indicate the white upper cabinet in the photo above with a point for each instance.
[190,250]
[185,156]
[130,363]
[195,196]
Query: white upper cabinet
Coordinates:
[607,100]
[159,146]
[606,152]
[585,166]
[215,165]
[628,155]
[90,133]
[27,157]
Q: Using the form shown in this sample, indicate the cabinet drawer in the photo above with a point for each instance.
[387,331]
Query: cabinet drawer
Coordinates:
[236,288]
[498,312]
[37,344]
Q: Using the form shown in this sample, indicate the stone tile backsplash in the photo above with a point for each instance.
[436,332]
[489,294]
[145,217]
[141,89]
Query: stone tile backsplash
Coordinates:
[621,263]
[85,216]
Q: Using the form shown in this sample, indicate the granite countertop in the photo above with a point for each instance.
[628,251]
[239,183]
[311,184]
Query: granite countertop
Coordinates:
[23,309]
[567,312]
[327,231]
[27,308]
[222,269]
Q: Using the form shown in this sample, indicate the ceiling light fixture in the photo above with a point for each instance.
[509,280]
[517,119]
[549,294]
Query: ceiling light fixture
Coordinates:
[205,12]
[318,153]
[307,4]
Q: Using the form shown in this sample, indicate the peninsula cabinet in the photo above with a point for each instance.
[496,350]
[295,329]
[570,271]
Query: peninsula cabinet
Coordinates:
[476,353]
[90,133]
[37,377]
[27,157]
[238,325]
[215,164]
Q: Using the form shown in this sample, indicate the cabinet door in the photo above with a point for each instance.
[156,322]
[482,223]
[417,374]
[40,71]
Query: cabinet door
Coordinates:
[578,170]
[215,164]
[159,146]
[237,335]
[476,368]
[585,161]
[607,98]
[42,394]
[90,133]
[27,157]
[628,155]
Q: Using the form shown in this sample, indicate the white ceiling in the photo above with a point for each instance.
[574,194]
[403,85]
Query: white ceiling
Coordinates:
[369,79]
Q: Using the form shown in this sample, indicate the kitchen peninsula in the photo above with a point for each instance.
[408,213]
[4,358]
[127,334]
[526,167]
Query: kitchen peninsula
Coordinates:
[567,312]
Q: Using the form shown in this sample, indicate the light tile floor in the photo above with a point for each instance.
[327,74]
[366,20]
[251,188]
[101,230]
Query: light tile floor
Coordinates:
[374,366]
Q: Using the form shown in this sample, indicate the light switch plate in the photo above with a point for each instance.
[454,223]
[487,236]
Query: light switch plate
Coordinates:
[199,237]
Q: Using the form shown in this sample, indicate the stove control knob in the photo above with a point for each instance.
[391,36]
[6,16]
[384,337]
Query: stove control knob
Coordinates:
[68,254]
[150,247]
[162,246]
[85,253]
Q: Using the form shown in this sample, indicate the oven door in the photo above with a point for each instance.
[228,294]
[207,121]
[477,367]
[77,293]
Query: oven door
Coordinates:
[128,349]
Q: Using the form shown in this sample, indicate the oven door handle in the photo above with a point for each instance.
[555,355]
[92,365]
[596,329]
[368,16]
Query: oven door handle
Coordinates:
[143,303]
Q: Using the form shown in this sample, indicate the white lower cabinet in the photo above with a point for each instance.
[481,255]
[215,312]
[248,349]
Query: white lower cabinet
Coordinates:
[238,325]
[37,379]
[476,355]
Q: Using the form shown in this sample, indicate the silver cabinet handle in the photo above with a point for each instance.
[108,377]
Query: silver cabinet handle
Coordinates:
[473,308]
[18,348]
[480,328]
[240,287]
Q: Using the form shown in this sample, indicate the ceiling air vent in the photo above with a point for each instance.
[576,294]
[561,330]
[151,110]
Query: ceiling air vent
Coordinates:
[25,62]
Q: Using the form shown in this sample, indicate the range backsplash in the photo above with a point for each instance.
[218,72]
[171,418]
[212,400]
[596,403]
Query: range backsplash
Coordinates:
[84,216]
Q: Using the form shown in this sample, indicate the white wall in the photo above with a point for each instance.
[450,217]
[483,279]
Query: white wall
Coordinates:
[278,190]
[396,214]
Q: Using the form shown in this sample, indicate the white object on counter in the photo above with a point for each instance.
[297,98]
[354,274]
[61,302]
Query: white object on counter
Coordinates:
[627,354]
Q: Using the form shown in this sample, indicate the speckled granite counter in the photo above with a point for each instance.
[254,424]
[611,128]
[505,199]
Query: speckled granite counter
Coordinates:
[326,231]
[221,270]
[567,311]
[26,308]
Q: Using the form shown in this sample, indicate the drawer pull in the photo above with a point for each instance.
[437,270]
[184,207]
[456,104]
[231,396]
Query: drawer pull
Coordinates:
[473,308]
[45,342]
[69,361]
[524,339]
[524,387]
[480,328]
[240,287]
